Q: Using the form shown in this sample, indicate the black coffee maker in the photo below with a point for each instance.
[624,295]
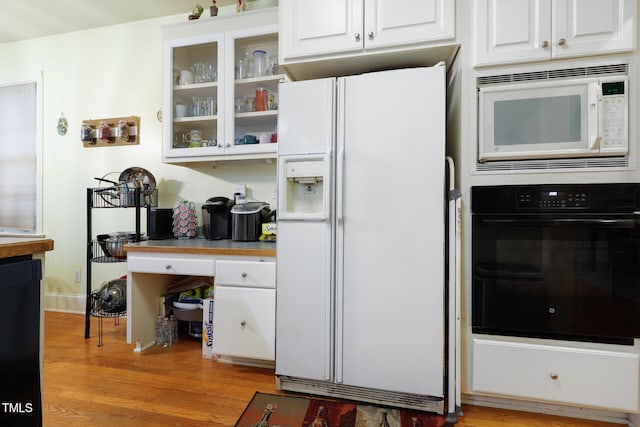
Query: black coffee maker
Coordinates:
[216,218]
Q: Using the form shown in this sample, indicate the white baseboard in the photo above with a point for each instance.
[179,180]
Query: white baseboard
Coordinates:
[551,409]
[65,303]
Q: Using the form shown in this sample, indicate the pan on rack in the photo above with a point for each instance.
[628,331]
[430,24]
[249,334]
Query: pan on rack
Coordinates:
[122,193]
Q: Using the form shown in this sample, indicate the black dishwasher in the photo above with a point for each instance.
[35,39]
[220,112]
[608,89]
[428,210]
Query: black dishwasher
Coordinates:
[20,376]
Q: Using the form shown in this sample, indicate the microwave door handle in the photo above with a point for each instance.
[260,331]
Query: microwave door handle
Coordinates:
[595,116]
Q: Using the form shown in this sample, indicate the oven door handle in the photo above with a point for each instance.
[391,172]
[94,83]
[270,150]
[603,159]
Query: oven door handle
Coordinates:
[602,222]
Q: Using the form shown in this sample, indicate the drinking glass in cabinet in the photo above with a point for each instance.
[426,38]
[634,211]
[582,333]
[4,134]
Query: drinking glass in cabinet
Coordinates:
[211,73]
[196,106]
[239,105]
[204,73]
[271,102]
[186,77]
[250,104]
[210,107]
[199,72]
[273,65]
[181,110]
[240,69]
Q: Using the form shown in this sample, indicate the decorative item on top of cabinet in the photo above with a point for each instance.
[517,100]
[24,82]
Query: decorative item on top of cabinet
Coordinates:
[196,13]
[110,132]
[512,31]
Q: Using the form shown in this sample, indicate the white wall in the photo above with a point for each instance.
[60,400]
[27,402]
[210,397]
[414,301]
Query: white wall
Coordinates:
[108,72]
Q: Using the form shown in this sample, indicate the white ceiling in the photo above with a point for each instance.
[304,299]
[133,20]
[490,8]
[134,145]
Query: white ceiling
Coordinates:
[26,19]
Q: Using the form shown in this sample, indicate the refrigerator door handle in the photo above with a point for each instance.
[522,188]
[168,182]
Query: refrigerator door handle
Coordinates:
[339,183]
[327,184]
[338,368]
[338,303]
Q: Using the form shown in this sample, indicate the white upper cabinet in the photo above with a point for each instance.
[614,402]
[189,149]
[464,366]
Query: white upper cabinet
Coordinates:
[511,31]
[338,27]
[390,23]
[316,28]
[220,88]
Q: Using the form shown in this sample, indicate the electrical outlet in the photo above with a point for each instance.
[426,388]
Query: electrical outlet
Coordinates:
[241,190]
[77,276]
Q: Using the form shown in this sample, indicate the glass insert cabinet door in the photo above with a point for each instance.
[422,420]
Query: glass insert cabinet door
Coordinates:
[193,94]
[252,98]
[221,95]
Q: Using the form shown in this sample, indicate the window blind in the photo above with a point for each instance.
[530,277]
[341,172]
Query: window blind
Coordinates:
[18,162]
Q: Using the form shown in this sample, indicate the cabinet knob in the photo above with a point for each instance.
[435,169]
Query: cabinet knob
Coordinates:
[243,323]
[357,36]
[553,376]
[244,275]
[370,34]
[562,42]
[167,267]
[545,44]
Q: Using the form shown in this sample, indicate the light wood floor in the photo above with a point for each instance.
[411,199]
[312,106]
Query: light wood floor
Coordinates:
[90,386]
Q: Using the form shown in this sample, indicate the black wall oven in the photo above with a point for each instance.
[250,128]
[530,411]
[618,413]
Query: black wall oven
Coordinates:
[557,261]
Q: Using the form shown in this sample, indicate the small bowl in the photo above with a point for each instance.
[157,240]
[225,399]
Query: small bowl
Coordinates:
[191,305]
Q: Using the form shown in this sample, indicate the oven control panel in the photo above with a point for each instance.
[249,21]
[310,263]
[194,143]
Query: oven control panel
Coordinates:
[579,198]
[552,199]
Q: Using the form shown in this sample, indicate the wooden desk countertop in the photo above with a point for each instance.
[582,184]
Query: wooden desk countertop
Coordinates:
[204,247]
[16,246]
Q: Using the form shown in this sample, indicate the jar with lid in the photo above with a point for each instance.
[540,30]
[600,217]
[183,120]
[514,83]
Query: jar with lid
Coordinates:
[104,131]
[86,133]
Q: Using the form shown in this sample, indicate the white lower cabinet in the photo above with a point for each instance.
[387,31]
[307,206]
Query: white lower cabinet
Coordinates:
[244,300]
[244,314]
[577,376]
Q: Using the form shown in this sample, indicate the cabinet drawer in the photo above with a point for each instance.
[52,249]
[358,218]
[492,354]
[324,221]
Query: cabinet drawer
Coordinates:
[196,265]
[596,378]
[244,322]
[259,274]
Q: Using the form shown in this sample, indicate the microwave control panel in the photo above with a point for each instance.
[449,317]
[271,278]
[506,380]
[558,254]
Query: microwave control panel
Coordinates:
[614,111]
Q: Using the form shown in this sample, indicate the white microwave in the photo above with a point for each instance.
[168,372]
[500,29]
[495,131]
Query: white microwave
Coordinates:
[573,117]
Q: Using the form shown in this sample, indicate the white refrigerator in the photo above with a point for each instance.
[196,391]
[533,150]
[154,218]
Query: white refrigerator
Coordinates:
[360,305]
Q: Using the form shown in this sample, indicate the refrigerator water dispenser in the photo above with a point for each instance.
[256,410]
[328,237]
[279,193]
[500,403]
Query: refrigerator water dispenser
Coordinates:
[304,195]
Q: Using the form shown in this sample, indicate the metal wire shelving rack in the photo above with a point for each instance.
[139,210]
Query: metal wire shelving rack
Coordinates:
[114,197]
